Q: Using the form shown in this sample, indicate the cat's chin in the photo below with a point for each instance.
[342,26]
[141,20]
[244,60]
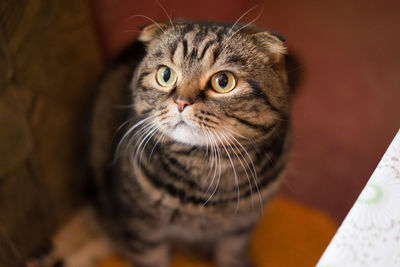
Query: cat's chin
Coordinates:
[183,133]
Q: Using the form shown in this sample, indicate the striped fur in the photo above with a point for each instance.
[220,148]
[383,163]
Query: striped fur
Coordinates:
[200,175]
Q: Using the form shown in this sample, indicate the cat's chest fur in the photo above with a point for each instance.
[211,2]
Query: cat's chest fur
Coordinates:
[191,213]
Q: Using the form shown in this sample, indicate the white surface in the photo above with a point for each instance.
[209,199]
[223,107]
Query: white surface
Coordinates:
[370,234]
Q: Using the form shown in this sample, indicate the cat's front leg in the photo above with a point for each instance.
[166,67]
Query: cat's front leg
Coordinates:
[232,249]
[146,247]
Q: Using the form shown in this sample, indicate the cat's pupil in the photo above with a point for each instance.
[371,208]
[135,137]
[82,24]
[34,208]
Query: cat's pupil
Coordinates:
[166,75]
[222,80]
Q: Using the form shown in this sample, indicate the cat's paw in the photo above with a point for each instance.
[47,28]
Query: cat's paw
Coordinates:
[79,243]
[88,255]
[45,258]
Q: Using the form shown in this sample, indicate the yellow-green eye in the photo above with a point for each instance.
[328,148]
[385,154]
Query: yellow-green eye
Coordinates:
[223,82]
[166,77]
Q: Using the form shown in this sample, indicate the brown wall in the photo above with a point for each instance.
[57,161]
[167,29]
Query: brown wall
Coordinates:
[49,61]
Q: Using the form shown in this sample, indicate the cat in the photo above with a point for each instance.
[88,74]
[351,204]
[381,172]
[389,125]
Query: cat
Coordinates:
[198,144]
[206,139]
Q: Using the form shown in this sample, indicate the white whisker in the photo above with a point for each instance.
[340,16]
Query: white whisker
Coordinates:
[159,139]
[148,137]
[118,149]
[218,159]
[241,163]
[140,133]
[211,165]
[168,16]
[213,162]
[146,17]
[244,26]
[253,143]
[139,137]
[233,168]
[252,169]
[244,14]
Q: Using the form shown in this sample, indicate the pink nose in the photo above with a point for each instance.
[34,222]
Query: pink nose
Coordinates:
[182,104]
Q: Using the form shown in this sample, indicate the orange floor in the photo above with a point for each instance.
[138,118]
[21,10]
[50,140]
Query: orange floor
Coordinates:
[289,234]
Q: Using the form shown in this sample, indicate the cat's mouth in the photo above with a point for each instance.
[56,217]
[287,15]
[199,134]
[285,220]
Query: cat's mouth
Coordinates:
[180,124]
[184,132]
[184,123]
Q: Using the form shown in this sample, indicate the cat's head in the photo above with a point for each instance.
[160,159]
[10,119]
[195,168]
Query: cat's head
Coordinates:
[203,83]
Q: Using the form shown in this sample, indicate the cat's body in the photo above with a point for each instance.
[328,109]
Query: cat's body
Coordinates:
[191,163]
[190,136]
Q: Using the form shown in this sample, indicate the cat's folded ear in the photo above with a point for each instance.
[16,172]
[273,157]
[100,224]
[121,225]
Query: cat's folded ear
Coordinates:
[273,43]
[148,33]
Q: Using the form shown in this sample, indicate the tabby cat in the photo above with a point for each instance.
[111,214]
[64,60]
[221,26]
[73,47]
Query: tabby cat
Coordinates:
[204,139]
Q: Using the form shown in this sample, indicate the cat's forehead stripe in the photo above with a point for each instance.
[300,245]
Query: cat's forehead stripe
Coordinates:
[206,47]
[184,49]
[173,48]
[177,53]
[194,41]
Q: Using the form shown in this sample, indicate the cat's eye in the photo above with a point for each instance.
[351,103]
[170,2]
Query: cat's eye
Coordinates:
[223,82]
[166,77]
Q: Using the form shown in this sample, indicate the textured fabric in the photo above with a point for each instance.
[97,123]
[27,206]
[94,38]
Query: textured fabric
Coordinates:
[48,62]
[370,234]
